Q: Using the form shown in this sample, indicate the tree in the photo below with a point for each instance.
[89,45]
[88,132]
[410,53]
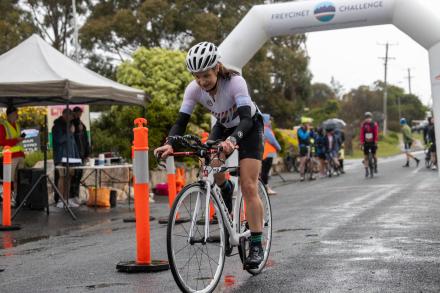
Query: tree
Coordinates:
[320,94]
[365,98]
[279,79]
[15,25]
[54,19]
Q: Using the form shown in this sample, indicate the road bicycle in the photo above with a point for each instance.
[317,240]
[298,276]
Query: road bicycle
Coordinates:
[197,249]
[428,162]
[291,161]
[371,164]
[332,167]
[310,165]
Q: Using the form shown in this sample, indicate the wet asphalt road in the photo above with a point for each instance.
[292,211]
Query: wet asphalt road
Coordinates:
[344,234]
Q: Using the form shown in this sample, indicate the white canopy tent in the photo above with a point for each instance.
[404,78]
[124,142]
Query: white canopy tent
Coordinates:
[416,18]
[36,74]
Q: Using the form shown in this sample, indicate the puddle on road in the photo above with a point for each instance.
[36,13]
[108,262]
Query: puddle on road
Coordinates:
[104,285]
[8,241]
[292,230]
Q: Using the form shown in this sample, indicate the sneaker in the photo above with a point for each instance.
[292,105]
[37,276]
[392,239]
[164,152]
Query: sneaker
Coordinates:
[71,204]
[75,200]
[434,167]
[301,178]
[417,162]
[60,205]
[406,165]
[255,257]
[270,191]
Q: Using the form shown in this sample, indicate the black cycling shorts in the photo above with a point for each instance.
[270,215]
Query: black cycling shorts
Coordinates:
[251,146]
[303,151]
[368,147]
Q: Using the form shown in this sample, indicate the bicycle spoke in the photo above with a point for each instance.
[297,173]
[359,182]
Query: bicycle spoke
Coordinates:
[182,248]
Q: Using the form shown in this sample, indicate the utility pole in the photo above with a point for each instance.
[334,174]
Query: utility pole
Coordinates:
[75,32]
[385,92]
[409,77]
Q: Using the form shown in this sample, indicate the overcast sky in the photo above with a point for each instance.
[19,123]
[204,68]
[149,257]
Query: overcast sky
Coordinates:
[352,57]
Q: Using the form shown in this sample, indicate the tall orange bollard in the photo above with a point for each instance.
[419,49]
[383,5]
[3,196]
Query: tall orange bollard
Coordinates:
[143,261]
[180,179]
[7,178]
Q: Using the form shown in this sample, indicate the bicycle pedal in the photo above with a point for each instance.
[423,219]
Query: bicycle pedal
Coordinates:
[249,267]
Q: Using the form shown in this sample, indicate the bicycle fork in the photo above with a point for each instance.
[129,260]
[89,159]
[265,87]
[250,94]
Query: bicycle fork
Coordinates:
[196,213]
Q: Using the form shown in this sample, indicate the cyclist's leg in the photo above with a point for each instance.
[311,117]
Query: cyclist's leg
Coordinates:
[433,150]
[302,161]
[249,171]
[373,152]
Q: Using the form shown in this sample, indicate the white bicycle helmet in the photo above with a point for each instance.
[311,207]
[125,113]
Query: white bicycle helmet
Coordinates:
[201,57]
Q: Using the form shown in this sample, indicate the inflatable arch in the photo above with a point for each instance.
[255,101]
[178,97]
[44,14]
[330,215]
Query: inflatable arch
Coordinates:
[414,17]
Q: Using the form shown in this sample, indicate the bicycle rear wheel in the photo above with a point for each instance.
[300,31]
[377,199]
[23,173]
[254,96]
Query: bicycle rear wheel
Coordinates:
[267,229]
[196,264]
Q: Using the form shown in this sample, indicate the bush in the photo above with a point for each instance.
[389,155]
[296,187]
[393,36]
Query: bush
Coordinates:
[32,158]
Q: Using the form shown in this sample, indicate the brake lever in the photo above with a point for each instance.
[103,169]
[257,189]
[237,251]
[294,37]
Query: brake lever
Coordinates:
[160,162]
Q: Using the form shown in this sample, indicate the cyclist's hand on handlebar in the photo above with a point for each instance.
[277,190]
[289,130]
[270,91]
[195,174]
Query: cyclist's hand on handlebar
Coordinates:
[227,146]
[164,151]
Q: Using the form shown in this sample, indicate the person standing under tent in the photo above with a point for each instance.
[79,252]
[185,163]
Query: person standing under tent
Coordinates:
[64,146]
[271,147]
[83,145]
[10,135]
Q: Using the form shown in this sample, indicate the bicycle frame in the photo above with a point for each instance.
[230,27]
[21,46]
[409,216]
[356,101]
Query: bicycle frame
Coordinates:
[232,225]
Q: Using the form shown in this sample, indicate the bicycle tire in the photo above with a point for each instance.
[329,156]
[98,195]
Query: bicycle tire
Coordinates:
[371,164]
[267,229]
[187,284]
[309,166]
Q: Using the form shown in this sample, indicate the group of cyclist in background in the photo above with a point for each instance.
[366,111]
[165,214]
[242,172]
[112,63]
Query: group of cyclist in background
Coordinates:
[322,149]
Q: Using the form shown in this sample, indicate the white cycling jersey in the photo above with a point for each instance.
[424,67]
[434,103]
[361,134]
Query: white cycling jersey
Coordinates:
[231,94]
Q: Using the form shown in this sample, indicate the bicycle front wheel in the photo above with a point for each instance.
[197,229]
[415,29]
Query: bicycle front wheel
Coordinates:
[267,228]
[196,264]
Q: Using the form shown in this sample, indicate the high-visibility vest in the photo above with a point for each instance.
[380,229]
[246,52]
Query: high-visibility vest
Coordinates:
[268,148]
[12,133]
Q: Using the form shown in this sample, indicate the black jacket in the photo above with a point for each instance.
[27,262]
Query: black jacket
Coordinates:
[81,138]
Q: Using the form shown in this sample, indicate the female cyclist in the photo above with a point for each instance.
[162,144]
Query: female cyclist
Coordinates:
[239,123]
